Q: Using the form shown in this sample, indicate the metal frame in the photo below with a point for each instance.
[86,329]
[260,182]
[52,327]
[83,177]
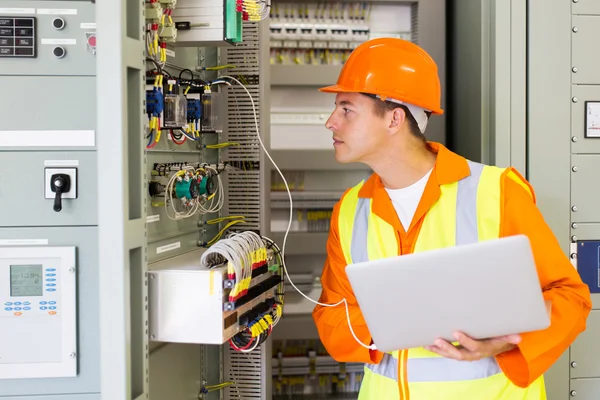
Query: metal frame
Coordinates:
[121,210]
[549,164]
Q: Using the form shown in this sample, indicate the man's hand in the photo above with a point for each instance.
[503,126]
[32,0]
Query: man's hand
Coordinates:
[470,349]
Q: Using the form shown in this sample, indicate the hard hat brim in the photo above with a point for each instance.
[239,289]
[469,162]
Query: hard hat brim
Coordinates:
[335,89]
[341,89]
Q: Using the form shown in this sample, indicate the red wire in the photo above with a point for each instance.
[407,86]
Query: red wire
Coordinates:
[175,141]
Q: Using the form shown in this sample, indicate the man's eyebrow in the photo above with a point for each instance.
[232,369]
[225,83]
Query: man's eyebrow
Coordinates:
[346,103]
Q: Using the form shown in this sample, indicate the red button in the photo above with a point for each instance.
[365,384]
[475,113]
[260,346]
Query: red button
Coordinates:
[92,41]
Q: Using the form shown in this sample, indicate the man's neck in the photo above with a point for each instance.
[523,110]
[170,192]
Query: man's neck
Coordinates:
[401,167]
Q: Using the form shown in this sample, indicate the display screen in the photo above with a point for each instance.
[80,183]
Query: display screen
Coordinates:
[26,280]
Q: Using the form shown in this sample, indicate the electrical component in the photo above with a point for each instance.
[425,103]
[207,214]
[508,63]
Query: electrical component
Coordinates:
[39,299]
[153,11]
[191,190]
[175,111]
[194,110]
[210,296]
[210,117]
[154,109]
[208,23]
[326,33]
[168,34]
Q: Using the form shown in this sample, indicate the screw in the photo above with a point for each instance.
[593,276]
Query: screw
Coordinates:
[575,1]
[574,208]
[574,139]
[575,29]
[574,238]
[574,225]
[71,269]
[574,169]
[73,355]
[153,336]
[151,276]
[575,99]
[574,69]
[573,256]
[573,393]
[574,364]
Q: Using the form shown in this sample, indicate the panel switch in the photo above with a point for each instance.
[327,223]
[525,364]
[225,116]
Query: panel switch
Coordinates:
[60,184]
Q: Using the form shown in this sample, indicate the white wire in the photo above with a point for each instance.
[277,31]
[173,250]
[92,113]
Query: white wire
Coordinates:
[287,231]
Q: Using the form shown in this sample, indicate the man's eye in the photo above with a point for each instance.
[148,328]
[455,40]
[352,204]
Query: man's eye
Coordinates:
[346,111]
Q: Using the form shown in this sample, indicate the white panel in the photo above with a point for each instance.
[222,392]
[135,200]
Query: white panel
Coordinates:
[47,138]
[298,137]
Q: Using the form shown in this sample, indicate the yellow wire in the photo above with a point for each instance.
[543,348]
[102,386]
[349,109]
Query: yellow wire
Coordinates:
[218,220]
[221,145]
[227,226]
[220,67]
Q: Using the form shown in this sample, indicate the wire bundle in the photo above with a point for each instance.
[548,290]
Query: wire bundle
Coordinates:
[239,251]
[187,192]
[253,10]
[257,331]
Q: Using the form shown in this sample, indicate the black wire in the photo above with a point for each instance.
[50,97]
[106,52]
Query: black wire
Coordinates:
[186,69]
[157,65]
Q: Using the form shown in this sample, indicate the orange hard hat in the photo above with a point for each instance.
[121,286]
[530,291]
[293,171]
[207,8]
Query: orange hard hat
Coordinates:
[391,69]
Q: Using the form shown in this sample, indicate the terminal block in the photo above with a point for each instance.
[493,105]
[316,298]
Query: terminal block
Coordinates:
[154,102]
[194,110]
[154,11]
[168,34]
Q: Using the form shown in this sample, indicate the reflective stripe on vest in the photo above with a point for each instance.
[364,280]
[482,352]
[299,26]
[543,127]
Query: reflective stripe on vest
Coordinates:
[466,216]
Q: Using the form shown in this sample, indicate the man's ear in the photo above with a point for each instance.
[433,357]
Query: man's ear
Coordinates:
[398,118]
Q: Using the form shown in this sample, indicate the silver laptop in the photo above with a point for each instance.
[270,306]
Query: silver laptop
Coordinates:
[485,290]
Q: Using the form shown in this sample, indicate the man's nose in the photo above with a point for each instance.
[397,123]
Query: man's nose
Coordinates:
[331,123]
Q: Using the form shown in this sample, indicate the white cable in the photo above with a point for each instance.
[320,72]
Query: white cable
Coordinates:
[371,347]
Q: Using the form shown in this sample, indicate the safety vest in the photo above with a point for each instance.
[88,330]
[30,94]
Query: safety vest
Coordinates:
[466,212]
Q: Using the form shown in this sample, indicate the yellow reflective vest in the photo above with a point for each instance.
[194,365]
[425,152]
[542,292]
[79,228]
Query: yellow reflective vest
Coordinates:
[467,211]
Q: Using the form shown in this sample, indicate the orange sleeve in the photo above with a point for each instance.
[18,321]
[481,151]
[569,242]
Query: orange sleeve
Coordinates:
[560,282]
[332,322]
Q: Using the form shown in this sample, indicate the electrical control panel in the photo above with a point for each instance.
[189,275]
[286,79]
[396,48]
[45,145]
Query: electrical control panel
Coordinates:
[17,36]
[58,35]
[37,296]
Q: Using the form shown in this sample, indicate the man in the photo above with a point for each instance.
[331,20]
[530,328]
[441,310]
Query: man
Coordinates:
[385,94]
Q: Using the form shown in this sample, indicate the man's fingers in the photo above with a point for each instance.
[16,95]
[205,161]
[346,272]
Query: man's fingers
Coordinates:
[512,339]
[451,350]
[468,343]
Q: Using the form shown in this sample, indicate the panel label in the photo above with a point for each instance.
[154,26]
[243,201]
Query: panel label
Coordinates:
[60,41]
[152,218]
[88,25]
[22,11]
[168,247]
[61,163]
[47,138]
[57,11]
[23,242]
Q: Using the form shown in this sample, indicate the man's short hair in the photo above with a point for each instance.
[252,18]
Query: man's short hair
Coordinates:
[381,107]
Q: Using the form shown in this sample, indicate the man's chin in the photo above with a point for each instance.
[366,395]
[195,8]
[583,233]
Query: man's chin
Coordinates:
[343,158]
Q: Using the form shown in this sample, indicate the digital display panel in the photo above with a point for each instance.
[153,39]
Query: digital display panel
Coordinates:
[26,280]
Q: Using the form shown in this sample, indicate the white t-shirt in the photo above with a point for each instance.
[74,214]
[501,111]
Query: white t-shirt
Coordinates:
[407,200]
